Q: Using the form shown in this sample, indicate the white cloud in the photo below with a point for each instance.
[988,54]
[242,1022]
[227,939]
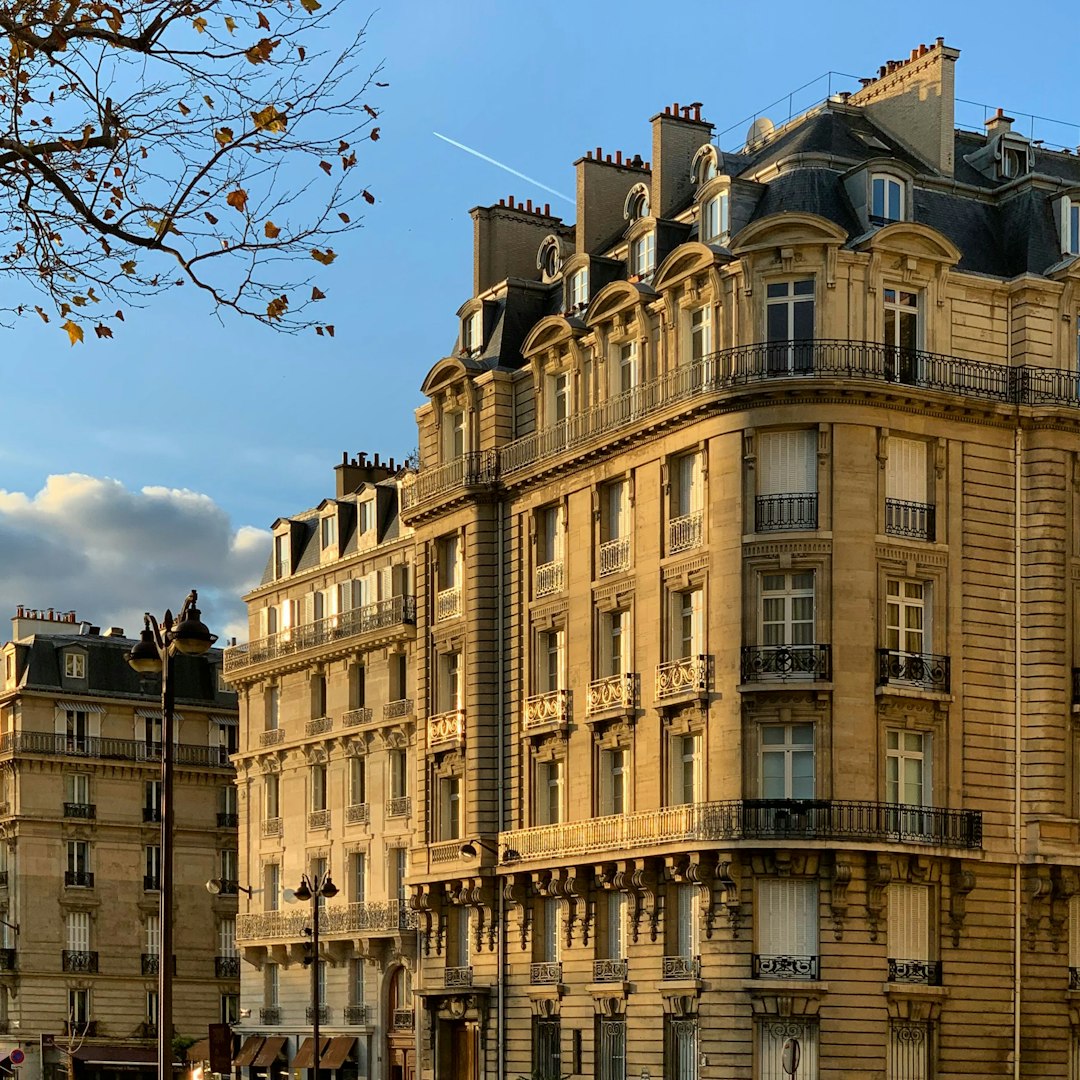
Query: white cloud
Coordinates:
[89,544]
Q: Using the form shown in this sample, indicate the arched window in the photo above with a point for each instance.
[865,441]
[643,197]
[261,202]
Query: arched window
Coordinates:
[637,203]
[705,166]
[549,258]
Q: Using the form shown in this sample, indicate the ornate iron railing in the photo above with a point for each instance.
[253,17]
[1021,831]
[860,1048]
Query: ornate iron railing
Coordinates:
[448,603]
[925,670]
[319,726]
[777,513]
[613,556]
[457,976]
[272,826]
[402,1019]
[381,616]
[613,692]
[271,736]
[399,806]
[545,972]
[7,959]
[357,1014]
[914,520]
[770,663]
[79,960]
[372,916]
[686,532]
[270,1014]
[358,814]
[446,727]
[690,675]
[785,967]
[398,710]
[227,820]
[79,879]
[151,963]
[552,707]
[324,1014]
[356,717]
[927,972]
[749,819]
[604,971]
[469,470]
[1074,978]
[86,811]
[318,819]
[548,578]
[151,814]
[53,745]
[229,887]
[680,967]
[226,967]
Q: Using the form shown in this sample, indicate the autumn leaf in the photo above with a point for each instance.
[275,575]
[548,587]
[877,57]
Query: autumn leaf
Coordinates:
[269,119]
[277,307]
[199,24]
[79,301]
[317,293]
[330,330]
[44,314]
[325,257]
[184,110]
[224,136]
[310,6]
[128,267]
[374,136]
[230,23]
[237,199]
[271,231]
[210,217]
[74,331]
[368,197]
[318,330]
[326,167]
[301,52]
[260,52]
[120,315]
[342,146]
[103,331]
[344,217]
[370,111]
[209,101]
[348,162]
[264,23]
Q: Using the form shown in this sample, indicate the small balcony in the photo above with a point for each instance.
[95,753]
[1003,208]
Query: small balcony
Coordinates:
[320,725]
[680,967]
[1074,978]
[272,826]
[548,578]
[81,1029]
[545,973]
[151,882]
[610,971]
[358,814]
[613,556]
[679,678]
[398,710]
[448,603]
[318,820]
[356,1015]
[446,728]
[151,963]
[781,663]
[399,806]
[926,972]
[913,520]
[686,532]
[151,815]
[226,967]
[324,1014]
[226,820]
[782,513]
[449,480]
[457,976]
[356,717]
[547,711]
[921,671]
[83,810]
[270,1015]
[402,1020]
[613,693]
[785,967]
[271,736]
[7,960]
[79,879]
[78,960]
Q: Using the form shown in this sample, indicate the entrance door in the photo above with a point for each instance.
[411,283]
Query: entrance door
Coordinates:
[458,1051]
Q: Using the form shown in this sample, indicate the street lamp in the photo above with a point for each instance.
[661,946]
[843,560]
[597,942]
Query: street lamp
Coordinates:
[154,652]
[312,890]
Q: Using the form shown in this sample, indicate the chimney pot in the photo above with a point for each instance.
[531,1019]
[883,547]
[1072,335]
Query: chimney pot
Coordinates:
[940,41]
[607,158]
[697,112]
[392,466]
[677,109]
[528,205]
[547,209]
[375,461]
[502,202]
[618,157]
[363,459]
[599,153]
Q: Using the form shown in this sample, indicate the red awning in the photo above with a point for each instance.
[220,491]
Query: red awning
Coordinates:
[269,1052]
[336,1054]
[251,1047]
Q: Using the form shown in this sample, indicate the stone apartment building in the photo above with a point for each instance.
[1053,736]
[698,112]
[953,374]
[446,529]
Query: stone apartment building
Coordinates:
[80,776]
[742,668]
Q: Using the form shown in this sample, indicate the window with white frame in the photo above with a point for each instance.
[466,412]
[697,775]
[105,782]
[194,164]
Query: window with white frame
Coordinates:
[152,867]
[78,1008]
[687,624]
[398,866]
[152,936]
[549,535]
[613,781]
[77,788]
[614,940]
[77,931]
[787,928]
[908,767]
[75,665]
[787,609]
[271,796]
[449,558]
[907,609]
[226,937]
[453,435]
[909,933]
[448,686]
[558,394]
[273,706]
[714,217]
[578,289]
[151,1007]
[624,368]
[550,949]
[229,865]
[698,334]
[787,761]
[229,1011]
[77,730]
[774,1034]
[685,779]
[903,333]
[472,333]
[358,877]
[549,792]
[614,643]
[449,820]
[686,524]
[357,781]
[615,511]
[271,886]
[366,512]
[550,661]
[789,325]
[281,555]
[787,480]
[643,254]
[685,930]
[357,686]
[637,203]
[457,936]
[78,863]
[398,765]
[317,787]
[328,532]
[357,988]
[886,198]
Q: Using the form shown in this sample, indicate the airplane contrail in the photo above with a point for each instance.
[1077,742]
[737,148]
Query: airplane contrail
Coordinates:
[500,165]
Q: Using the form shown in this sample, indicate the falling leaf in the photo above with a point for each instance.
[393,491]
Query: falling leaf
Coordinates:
[368,197]
[237,199]
[271,230]
[79,301]
[209,100]
[44,315]
[310,6]
[325,257]
[370,111]
[128,267]
[230,23]
[317,293]
[269,119]
[342,146]
[260,52]
[224,136]
[374,136]
[301,52]
[344,217]
[330,330]
[264,23]
[382,84]
[199,24]
[74,331]
[102,331]
[210,217]
[326,167]
[277,307]
[184,110]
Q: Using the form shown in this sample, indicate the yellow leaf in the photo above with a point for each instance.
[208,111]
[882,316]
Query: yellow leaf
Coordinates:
[317,293]
[230,23]
[128,267]
[325,257]
[310,6]
[74,332]
[79,301]
[277,307]
[237,199]
[260,52]
[224,136]
[269,119]
[271,230]
[199,24]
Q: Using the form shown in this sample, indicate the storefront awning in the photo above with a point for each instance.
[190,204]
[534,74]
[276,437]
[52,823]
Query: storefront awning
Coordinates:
[117,1055]
[337,1053]
[269,1052]
[305,1056]
[199,1051]
[252,1045]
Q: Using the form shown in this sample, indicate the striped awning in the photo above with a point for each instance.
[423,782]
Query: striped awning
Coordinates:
[225,721]
[80,706]
[155,714]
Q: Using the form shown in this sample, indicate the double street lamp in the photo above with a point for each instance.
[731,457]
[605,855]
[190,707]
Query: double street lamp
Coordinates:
[155,652]
[314,888]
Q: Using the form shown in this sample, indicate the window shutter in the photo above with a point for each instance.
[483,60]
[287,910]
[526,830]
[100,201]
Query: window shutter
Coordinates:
[789,917]
[386,583]
[909,930]
[78,931]
[905,473]
[787,461]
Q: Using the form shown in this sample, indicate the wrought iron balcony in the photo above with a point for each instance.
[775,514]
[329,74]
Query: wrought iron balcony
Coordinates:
[604,971]
[785,967]
[151,882]
[79,960]
[448,603]
[81,1029]
[151,814]
[48,744]
[690,675]
[680,967]
[780,513]
[612,692]
[545,973]
[226,967]
[780,663]
[927,972]
[79,879]
[356,717]
[358,814]
[1074,978]
[271,736]
[324,1014]
[402,1020]
[398,710]
[7,959]
[399,806]
[446,727]
[226,820]
[749,820]
[613,556]
[548,578]
[547,710]
[318,819]
[922,670]
[151,964]
[371,619]
[270,1014]
[357,1014]
[916,521]
[86,811]
[272,826]
[458,976]
[319,726]
[474,469]
[686,532]
[386,916]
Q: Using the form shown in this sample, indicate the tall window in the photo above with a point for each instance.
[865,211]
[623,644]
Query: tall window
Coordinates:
[226,937]
[787,609]
[77,788]
[787,929]
[77,727]
[773,1034]
[886,198]
[229,863]
[613,782]
[685,941]
[624,368]
[787,481]
[614,940]
[152,867]
[472,333]
[399,773]
[448,687]
[398,865]
[901,322]
[281,555]
[79,1009]
[907,512]
[271,886]
[358,876]
[449,823]
[152,937]
[614,643]
[77,931]
[579,288]
[318,787]
[546,1048]
[909,1050]
[78,864]
[550,661]
[907,768]
[906,604]
[328,532]
[787,761]
[643,254]
[550,945]
[357,781]
[453,435]
[272,986]
[687,484]
[449,550]
[909,933]
[273,707]
[700,334]
[685,765]
[615,511]
[1072,227]
[457,934]
[549,532]
[789,325]
[271,796]
[549,792]
[714,217]
[687,624]
[680,1047]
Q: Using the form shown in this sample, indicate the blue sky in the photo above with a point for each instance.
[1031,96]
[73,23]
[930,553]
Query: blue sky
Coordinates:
[254,422]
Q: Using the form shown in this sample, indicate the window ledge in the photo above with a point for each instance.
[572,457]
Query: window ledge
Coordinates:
[785,987]
[899,690]
[919,990]
[769,686]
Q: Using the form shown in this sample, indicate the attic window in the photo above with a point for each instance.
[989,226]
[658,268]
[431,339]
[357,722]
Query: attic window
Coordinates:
[704,167]
[1014,158]
[472,333]
[714,217]
[578,289]
[549,260]
[637,203]
[886,198]
[367,516]
[643,254]
[1072,227]
[281,555]
[328,532]
[75,665]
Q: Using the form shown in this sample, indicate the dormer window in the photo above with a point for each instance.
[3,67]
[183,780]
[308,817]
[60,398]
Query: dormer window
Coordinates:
[454,435]
[328,532]
[715,217]
[886,198]
[366,516]
[643,254]
[281,555]
[1013,161]
[578,289]
[549,259]
[472,333]
[1072,227]
[704,167]
[637,203]
[75,665]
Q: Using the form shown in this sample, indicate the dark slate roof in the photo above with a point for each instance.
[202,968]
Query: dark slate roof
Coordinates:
[813,191]
[972,225]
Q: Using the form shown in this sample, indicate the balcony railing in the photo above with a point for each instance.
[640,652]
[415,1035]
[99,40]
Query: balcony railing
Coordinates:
[605,971]
[446,727]
[81,1029]
[778,513]
[272,826]
[151,882]
[545,973]
[548,578]
[448,603]
[749,819]
[917,521]
[778,663]
[270,1014]
[399,806]
[680,967]
[79,879]
[79,960]
[686,532]
[7,959]
[402,1019]
[319,726]
[47,744]
[398,710]
[690,675]
[357,1014]
[271,736]
[372,916]
[358,814]
[318,819]
[927,972]
[226,967]
[613,556]
[356,717]
[470,470]
[547,709]
[324,1014]
[86,811]
[227,820]
[151,964]
[923,670]
[785,967]
[613,692]
[381,616]
[457,976]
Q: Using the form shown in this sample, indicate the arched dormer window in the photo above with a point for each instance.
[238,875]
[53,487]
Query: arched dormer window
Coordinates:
[637,203]
[549,258]
[888,198]
[715,222]
[643,254]
[1068,217]
[704,167]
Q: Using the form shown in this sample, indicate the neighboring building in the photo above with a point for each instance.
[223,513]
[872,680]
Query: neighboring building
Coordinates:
[80,752]
[326,781]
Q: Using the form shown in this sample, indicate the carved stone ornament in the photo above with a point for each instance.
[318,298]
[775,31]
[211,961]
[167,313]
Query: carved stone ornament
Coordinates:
[838,904]
[879,872]
[961,882]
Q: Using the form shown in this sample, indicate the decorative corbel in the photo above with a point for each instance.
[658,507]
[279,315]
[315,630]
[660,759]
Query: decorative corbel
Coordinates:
[939,458]
[1040,887]
[514,895]
[700,874]
[646,901]
[726,878]
[942,281]
[786,258]
[879,873]
[838,904]
[831,260]
[961,882]
[824,443]
[883,447]
[749,448]
[1065,885]
[873,272]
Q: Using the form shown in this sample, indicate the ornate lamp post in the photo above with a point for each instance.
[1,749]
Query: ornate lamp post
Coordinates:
[312,890]
[155,651]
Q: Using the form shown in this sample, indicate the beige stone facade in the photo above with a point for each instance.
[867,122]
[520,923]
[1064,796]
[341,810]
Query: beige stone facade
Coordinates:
[80,753]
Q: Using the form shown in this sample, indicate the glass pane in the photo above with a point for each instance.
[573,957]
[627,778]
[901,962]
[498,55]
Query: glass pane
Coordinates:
[802,774]
[773,735]
[894,201]
[777,288]
[802,734]
[772,776]
[804,320]
[777,328]
[804,287]
[877,201]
